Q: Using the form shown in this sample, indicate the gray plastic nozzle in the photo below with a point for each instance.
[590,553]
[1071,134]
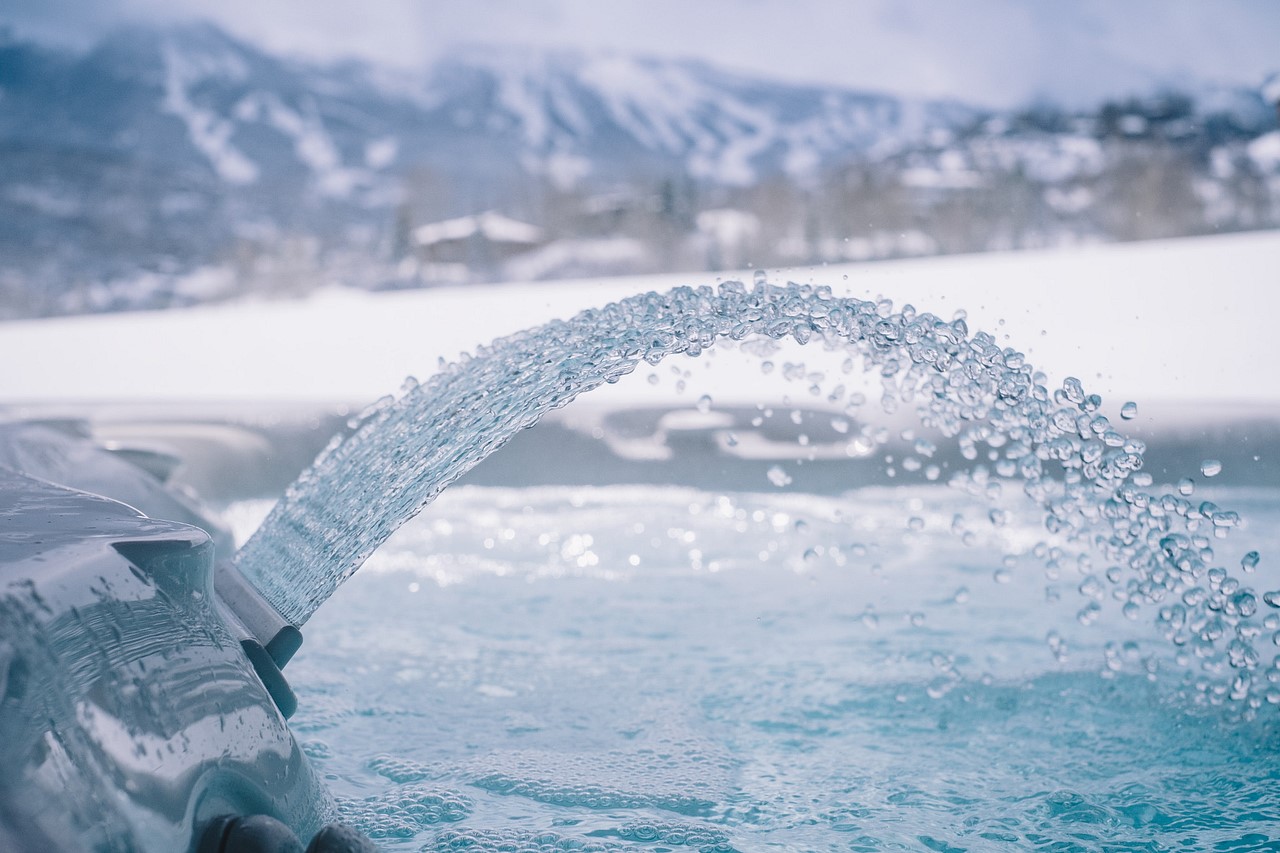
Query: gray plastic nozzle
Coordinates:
[268,639]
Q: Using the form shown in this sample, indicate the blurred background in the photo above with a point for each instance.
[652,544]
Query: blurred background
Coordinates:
[164,154]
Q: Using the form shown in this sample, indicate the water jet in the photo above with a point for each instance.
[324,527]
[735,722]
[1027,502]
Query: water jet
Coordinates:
[1109,533]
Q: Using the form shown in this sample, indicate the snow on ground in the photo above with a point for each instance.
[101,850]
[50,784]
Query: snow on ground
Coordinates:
[1192,319]
[209,133]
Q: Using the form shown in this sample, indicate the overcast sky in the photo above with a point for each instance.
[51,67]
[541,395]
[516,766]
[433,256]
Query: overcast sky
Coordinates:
[996,52]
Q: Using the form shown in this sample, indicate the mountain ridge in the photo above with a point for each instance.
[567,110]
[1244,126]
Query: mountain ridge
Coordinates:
[161,151]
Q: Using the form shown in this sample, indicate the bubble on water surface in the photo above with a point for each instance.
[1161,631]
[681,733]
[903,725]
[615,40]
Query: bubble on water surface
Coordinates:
[400,770]
[602,782]
[515,841]
[404,812]
[316,750]
[678,834]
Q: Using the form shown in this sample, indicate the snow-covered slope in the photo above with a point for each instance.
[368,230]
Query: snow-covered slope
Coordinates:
[164,152]
[161,150]
[573,114]
[196,99]
[1182,320]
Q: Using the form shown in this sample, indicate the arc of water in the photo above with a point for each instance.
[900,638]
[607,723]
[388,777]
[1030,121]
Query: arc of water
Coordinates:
[404,452]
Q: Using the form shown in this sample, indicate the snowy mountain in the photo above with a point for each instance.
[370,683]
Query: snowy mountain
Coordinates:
[160,149]
[573,115]
[165,151]
[196,94]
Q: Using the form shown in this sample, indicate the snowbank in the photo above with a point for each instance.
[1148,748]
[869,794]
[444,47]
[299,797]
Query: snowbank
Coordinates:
[1177,320]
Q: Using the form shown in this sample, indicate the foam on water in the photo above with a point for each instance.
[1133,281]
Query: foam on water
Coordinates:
[1156,546]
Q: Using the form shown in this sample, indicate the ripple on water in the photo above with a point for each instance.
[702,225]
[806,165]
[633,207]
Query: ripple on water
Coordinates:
[759,702]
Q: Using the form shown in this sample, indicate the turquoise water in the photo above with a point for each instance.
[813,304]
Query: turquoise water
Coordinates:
[1027,643]
[659,668]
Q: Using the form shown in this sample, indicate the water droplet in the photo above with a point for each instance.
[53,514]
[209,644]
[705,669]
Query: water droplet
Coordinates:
[778,476]
[1186,486]
[1129,410]
[1210,467]
[704,404]
[1272,598]
[1089,614]
[925,448]
[1073,389]
[1244,603]
[939,687]
[1249,562]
